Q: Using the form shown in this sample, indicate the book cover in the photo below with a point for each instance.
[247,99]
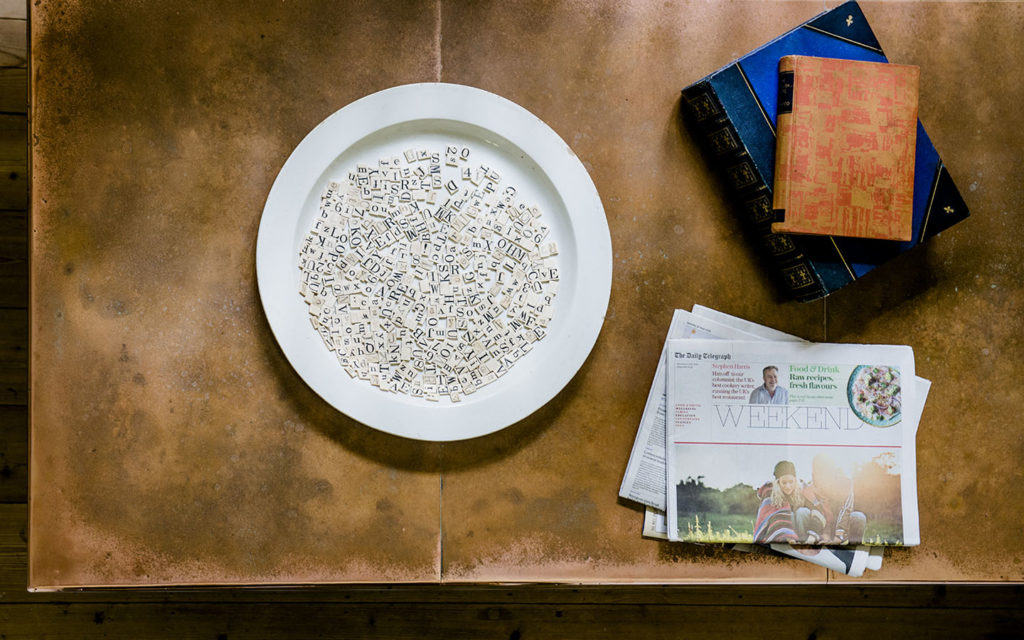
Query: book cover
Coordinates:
[844,156]
[732,112]
[792,443]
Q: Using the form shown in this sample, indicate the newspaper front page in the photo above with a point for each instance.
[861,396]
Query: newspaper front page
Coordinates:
[793,443]
[644,479]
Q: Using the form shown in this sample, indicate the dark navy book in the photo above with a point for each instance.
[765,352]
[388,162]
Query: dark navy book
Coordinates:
[733,113]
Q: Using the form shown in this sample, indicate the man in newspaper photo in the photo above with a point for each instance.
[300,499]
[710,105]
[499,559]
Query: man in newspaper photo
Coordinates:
[770,392]
[829,500]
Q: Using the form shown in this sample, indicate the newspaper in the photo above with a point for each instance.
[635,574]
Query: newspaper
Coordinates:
[873,561]
[851,561]
[655,525]
[759,330]
[649,451]
[644,479]
[826,437]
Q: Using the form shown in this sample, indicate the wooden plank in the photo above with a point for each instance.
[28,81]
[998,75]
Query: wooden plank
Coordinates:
[13,186]
[13,139]
[455,621]
[13,161]
[13,386]
[13,43]
[13,259]
[13,549]
[965,597]
[14,338]
[14,90]
[13,454]
[13,356]
[17,9]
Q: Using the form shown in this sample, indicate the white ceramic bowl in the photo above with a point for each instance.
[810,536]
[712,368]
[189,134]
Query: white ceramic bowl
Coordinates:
[530,156]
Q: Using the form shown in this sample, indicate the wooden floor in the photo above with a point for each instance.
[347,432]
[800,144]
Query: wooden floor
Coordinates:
[917,611]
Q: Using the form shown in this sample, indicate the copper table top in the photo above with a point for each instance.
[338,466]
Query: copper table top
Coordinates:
[173,444]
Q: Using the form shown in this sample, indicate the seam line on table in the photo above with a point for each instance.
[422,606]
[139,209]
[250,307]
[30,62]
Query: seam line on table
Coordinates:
[440,510]
[437,42]
[440,530]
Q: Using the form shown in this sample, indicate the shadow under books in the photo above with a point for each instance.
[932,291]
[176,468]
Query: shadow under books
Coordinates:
[892,286]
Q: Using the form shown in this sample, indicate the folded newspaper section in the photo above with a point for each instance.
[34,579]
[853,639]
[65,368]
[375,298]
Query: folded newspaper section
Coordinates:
[800,443]
[644,480]
[851,561]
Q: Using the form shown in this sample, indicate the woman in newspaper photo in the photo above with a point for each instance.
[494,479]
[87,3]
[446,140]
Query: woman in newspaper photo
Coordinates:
[829,500]
[780,501]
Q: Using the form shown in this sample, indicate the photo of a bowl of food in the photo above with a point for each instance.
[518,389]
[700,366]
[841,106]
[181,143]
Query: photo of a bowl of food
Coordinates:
[874,394]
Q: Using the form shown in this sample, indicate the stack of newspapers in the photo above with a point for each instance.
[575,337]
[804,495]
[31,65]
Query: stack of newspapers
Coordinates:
[771,444]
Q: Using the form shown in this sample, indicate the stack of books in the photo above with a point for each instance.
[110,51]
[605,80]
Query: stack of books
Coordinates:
[856,180]
[755,438]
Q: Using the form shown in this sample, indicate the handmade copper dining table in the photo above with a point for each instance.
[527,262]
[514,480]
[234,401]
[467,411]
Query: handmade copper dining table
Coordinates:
[173,444]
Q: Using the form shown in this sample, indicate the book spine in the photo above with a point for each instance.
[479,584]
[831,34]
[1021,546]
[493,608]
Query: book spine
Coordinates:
[749,190]
[784,142]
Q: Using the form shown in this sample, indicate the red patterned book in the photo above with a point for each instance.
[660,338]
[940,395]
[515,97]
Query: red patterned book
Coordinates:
[844,159]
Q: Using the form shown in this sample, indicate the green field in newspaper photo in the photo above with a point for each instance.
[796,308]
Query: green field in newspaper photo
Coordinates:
[710,515]
[806,495]
[878,532]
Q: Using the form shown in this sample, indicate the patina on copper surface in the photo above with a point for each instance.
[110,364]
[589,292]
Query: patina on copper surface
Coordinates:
[173,444]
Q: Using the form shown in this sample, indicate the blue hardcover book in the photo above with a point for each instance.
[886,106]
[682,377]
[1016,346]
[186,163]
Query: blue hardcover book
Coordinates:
[733,112]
